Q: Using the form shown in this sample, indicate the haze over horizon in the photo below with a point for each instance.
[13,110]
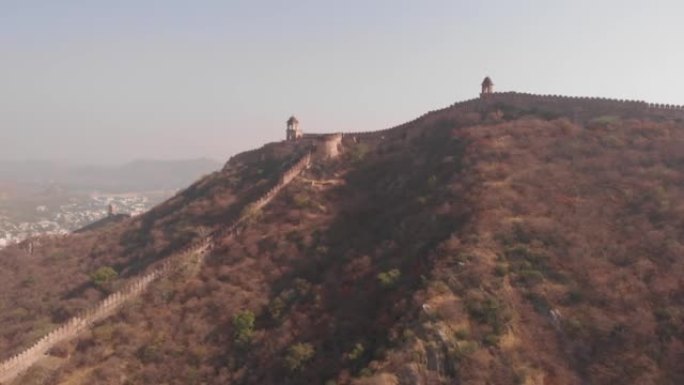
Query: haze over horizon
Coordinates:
[112,82]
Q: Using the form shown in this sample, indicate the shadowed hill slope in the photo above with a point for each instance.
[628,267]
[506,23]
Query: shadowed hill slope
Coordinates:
[499,242]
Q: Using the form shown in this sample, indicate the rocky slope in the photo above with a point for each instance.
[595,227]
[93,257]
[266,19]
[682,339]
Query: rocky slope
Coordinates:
[494,243]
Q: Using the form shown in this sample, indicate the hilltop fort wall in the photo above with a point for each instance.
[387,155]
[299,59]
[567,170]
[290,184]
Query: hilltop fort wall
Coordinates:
[17,364]
[323,146]
[582,107]
[585,106]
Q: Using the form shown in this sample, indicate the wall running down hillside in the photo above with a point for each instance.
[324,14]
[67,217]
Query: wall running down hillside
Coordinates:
[17,364]
[12,367]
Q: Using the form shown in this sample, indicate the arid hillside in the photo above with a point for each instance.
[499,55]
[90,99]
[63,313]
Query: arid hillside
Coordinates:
[488,243]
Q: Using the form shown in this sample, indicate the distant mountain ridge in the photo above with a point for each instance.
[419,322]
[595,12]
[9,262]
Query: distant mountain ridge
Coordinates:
[138,175]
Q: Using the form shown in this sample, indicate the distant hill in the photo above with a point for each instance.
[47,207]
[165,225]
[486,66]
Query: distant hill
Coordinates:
[139,175]
[143,174]
[510,239]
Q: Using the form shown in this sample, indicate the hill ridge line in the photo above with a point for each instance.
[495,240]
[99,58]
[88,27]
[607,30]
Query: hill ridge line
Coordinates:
[17,364]
[475,104]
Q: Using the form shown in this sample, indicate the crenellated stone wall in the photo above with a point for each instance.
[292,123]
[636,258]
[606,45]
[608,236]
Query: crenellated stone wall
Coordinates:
[70,329]
[581,105]
[13,366]
[518,97]
[285,179]
[585,107]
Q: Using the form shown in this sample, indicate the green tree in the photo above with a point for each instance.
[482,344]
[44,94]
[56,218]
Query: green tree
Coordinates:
[276,308]
[358,152]
[356,352]
[389,278]
[298,355]
[243,323]
[103,276]
[251,213]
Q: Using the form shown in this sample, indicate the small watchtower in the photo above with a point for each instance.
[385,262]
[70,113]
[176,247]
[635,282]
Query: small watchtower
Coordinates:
[111,210]
[487,86]
[293,132]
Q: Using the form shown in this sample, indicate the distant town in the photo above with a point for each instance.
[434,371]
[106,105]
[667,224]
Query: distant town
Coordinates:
[49,197]
[76,213]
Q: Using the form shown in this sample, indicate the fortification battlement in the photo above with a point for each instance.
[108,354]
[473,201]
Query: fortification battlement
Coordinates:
[529,100]
[326,136]
[513,96]
[579,105]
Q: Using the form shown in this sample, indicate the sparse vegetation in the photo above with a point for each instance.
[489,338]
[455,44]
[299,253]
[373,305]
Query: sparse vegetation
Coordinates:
[497,247]
[356,352]
[489,311]
[251,213]
[389,278]
[103,276]
[298,355]
[358,152]
[605,120]
[243,323]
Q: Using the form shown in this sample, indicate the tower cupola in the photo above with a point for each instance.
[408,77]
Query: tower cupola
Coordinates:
[293,132]
[487,86]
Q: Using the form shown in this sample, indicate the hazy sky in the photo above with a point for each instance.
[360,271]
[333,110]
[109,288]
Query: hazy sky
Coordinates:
[110,81]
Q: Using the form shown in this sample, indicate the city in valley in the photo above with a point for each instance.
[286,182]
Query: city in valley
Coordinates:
[43,197]
[68,213]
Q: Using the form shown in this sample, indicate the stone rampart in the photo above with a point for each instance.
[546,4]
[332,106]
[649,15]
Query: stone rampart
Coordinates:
[528,100]
[589,103]
[70,329]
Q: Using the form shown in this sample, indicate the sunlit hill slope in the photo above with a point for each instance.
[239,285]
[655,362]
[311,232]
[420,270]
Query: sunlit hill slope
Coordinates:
[510,239]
